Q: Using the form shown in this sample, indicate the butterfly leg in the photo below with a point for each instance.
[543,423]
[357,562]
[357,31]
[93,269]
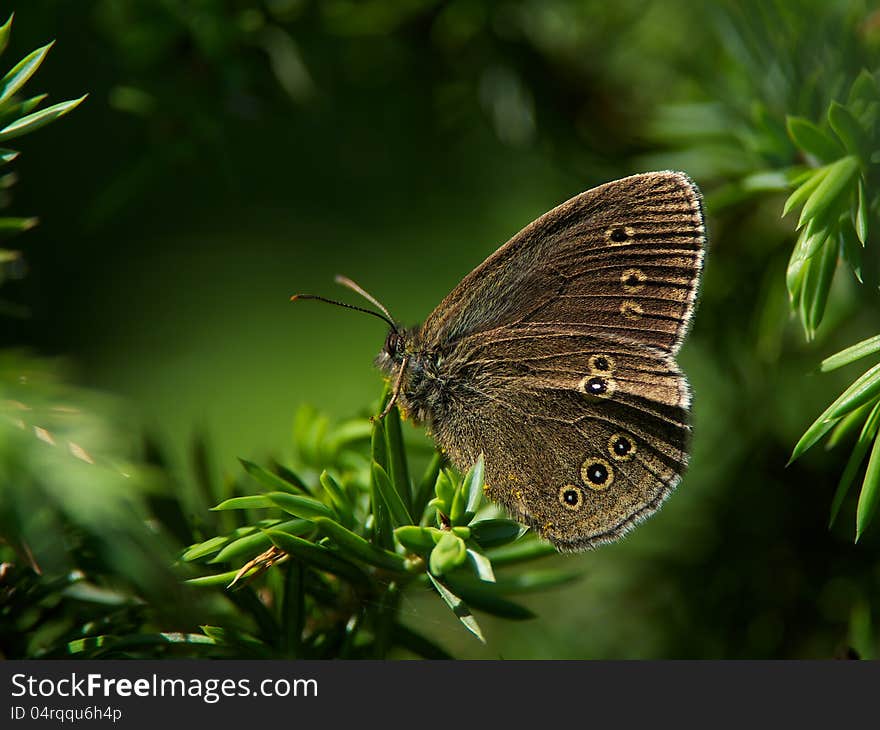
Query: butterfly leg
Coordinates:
[396,392]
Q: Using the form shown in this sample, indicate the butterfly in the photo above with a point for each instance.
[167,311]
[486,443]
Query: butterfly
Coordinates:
[555,360]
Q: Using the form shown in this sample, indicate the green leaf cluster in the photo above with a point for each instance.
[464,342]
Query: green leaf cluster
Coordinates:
[858,406]
[839,197]
[832,193]
[361,531]
[19,115]
[801,128]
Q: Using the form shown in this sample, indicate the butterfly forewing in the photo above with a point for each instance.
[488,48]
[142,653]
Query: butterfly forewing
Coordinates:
[622,259]
[556,359]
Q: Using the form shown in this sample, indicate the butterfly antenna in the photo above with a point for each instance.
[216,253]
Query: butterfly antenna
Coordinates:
[345,281]
[315,297]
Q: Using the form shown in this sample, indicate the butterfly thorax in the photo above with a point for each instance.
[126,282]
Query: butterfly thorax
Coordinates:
[422,383]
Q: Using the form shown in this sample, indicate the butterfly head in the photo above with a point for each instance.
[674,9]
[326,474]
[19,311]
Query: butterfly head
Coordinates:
[414,372]
[395,346]
[398,351]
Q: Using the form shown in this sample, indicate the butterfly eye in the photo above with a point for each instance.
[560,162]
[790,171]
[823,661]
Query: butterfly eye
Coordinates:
[631,309]
[621,447]
[633,280]
[619,234]
[570,496]
[601,363]
[393,343]
[597,474]
[598,385]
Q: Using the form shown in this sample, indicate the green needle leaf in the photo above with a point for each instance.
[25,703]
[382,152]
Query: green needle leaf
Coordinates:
[268,479]
[851,354]
[840,174]
[4,32]
[35,121]
[536,580]
[861,219]
[305,508]
[426,485]
[803,192]
[864,389]
[485,597]
[21,72]
[776,181]
[420,540]
[528,582]
[794,278]
[216,579]
[847,127]
[482,565]
[494,532]
[293,608]
[870,493]
[445,490]
[349,433]
[472,486]
[257,501]
[823,268]
[869,431]
[382,528]
[257,541]
[447,554]
[396,508]
[359,548]
[459,608]
[800,275]
[28,105]
[847,425]
[813,140]
[378,444]
[231,637]
[851,248]
[290,477]
[457,515]
[864,88]
[339,498]
[208,547]
[318,556]
[334,490]
[859,393]
[524,549]
[398,469]
[17,225]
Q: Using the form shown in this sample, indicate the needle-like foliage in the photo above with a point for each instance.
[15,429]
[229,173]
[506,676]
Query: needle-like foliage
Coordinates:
[350,531]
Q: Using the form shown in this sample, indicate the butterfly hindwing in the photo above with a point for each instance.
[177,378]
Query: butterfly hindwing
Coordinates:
[582,465]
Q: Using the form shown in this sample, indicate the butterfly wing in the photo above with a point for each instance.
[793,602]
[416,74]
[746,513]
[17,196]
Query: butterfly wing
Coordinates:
[583,436]
[558,359]
[622,260]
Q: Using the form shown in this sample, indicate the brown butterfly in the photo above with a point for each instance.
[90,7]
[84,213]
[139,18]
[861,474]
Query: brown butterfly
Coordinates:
[555,359]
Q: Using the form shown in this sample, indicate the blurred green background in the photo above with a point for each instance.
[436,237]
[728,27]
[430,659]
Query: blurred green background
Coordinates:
[234,152]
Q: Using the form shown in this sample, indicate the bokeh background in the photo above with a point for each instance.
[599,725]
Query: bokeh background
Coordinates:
[234,152]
